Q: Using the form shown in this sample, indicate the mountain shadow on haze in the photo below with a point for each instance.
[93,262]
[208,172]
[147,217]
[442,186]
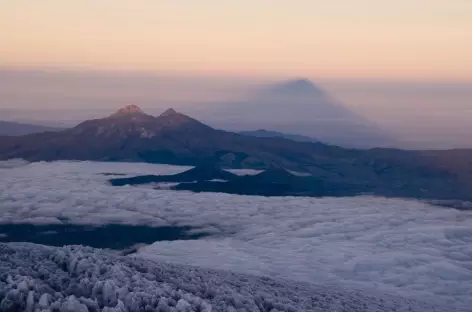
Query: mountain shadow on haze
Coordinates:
[300,107]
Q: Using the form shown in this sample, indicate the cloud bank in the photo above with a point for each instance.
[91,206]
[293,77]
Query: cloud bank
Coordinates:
[392,245]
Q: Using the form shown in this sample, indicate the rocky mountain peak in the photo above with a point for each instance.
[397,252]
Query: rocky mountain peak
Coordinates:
[128,110]
[169,112]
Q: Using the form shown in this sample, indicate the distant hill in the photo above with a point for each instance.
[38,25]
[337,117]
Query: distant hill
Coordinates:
[15,128]
[270,182]
[276,182]
[174,138]
[199,173]
[262,133]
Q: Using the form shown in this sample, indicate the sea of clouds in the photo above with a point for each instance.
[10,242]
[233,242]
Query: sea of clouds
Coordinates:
[392,245]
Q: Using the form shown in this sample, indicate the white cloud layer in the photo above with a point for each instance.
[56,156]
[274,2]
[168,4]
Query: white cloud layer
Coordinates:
[396,246]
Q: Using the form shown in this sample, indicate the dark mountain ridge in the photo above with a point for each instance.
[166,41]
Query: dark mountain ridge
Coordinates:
[10,128]
[174,138]
[262,133]
[199,173]
[274,181]
[171,138]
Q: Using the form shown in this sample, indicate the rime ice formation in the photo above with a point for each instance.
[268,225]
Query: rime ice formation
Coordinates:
[82,279]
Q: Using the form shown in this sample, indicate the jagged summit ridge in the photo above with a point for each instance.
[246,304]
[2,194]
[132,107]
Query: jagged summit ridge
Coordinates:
[169,112]
[128,110]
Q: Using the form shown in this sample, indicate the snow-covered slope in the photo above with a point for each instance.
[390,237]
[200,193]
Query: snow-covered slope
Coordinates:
[74,278]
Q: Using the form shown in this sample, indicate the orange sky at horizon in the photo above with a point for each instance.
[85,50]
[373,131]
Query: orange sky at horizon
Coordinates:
[406,39]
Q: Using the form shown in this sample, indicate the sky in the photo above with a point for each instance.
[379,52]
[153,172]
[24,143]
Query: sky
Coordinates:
[419,40]
[404,65]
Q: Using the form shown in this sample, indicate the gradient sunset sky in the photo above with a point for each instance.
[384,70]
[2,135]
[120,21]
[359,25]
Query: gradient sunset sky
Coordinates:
[404,39]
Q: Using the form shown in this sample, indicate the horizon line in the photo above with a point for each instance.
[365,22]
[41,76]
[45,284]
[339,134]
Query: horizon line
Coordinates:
[227,75]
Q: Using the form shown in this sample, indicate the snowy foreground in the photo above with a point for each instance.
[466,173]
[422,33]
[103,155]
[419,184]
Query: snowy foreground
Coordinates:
[399,247]
[74,278]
